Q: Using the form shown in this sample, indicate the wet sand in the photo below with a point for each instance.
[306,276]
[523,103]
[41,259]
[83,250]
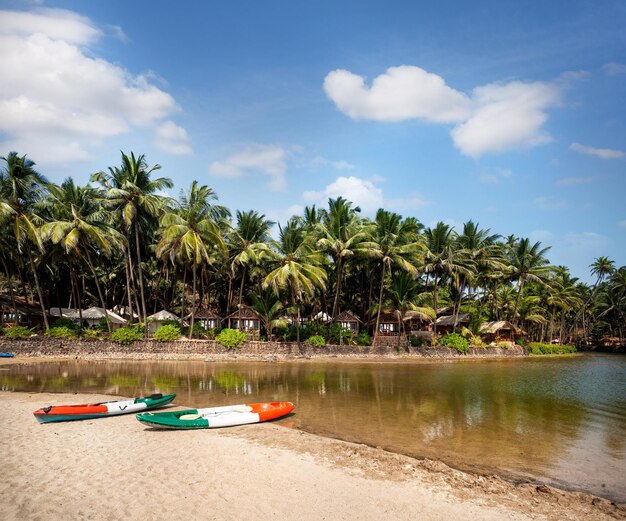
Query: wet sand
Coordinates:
[117,468]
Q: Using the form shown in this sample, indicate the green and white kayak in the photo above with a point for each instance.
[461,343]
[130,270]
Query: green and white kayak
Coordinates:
[213,417]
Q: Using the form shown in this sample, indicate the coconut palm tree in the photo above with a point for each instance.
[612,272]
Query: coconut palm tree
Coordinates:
[397,245]
[21,188]
[269,307]
[78,226]
[134,197]
[296,267]
[190,236]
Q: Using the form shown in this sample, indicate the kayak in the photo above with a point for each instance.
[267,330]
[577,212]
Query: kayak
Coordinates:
[60,413]
[213,417]
[6,355]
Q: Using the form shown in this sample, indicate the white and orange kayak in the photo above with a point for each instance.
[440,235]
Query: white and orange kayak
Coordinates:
[213,417]
[59,413]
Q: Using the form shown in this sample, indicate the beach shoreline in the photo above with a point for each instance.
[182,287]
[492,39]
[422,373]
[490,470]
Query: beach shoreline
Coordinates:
[281,472]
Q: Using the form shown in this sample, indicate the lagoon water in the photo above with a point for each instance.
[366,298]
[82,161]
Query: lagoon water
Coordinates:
[556,420]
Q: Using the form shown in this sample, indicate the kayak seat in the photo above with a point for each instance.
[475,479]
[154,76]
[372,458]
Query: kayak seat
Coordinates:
[189,417]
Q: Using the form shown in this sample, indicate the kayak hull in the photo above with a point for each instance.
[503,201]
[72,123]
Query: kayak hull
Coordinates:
[6,355]
[59,413]
[215,417]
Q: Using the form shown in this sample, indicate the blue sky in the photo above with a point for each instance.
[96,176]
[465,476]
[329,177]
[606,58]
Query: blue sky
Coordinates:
[511,115]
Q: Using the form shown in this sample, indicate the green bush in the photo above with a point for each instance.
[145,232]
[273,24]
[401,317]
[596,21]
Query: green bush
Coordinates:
[417,341]
[340,335]
[127,335]
[231,338]
[363,339]
[167,333]
[537,348]
[65,322]
[316,340]
[455,341]
[91,333]
[62,332]
[18,332]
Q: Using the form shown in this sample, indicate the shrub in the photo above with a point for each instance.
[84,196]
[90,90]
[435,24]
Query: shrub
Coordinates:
[65,322]
[504,345]
[91,333]
[231,338]
[167,333]
[340,335]
[363,339]
[127,335]
[316,340]
[18,332]
[417,341]
[62,332]
[455,341]
[537,348]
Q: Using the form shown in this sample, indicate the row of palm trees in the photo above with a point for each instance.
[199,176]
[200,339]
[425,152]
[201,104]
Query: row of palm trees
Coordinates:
[122,243]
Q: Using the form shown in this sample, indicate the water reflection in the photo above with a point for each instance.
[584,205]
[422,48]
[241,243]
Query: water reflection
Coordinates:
[530,418]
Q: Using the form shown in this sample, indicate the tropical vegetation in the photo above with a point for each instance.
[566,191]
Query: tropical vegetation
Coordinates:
[121,243]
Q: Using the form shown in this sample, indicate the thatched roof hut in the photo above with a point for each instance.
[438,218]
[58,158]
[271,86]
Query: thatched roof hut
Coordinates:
[245,319]
[446,323]
[348,320]
[207,317]
[498,330]
[156,321]
[92,317]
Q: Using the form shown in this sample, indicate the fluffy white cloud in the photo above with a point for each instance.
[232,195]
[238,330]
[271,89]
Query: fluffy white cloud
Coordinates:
[495,118]
[57,98]
[505,117]
[173,139]
[269,160]
[604,153]
[404,92]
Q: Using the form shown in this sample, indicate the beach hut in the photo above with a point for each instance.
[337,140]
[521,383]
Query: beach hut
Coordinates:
[28,313]
[500,330]
[156,321]
[245,319]
[348,320]
[445,324]
[388,324]
[93,316]
[207,318]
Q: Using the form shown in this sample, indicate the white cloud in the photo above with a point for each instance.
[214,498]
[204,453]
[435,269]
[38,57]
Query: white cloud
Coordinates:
[173,139]
[604,153]
[365,194]
[506,117]
[57,98]
[320,161]
[613,69]
[269,160]
[497,176]
[586,241]
[402,93]
[495,118]
[572,181]
[549,203]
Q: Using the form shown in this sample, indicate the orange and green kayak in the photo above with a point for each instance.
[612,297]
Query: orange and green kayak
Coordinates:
[213,417]
[60,413]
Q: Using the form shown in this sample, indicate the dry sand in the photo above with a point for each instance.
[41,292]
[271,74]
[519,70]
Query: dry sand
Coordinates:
[117,468]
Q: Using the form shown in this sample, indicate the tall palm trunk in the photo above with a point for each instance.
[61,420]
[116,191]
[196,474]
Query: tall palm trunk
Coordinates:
[193,301]
[380,299]
[131,314]
[182,298]
[520,286]
[337,287]
[435,303]
[139,269]
[243,279]
[79,304]
[95,278]
[39,293]
[11,291]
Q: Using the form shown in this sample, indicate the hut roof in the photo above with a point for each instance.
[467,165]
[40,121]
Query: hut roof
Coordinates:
[204,313]
[322,317]
[417,315]
[494,327]
[96,313]
[162,316]
[21,305]
[464,318]
[346,316]
[245,312]
[442,312]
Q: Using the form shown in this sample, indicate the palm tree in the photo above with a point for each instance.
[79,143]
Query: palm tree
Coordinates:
[297,267]
[21,187]
[134,196]
[78,226]
[601,268]
[269,307]
[190,236]
[528,263]
[248,243]
[397,246]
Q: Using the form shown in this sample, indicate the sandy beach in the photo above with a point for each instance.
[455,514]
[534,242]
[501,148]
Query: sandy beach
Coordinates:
[116,468]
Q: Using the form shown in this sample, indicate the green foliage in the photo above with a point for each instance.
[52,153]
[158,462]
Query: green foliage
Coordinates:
[316,340]
[127,335]
[537,348]
[340,335]
[231,338]
[474,340]
[504,345]
[65,322]
[18,332]
[455,341]
[314,329]
[91,333]
[62,332]
[167,333]
[363,339]
[416,341]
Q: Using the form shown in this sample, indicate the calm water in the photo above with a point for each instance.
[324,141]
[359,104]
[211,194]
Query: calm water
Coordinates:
[558,420]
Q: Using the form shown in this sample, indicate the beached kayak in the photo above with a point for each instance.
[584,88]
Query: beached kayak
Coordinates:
[59,413]
[6,355]
[213,417]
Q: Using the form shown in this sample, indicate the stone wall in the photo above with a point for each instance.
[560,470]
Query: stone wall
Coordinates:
[46,347]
